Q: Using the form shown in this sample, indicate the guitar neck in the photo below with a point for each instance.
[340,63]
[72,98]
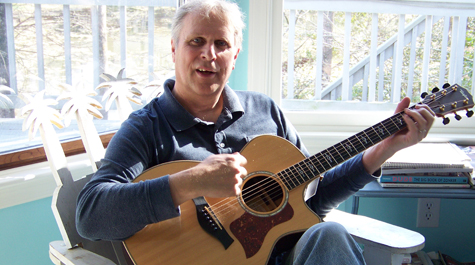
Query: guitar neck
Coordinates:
[449,100]
[323,161]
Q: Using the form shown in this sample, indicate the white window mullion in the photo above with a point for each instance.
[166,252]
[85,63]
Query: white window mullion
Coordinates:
[460,49]
[397,60]
[123,38]
[291,56]
[39,47]
[67,43]
[453,51]
[381,76]
[95,44]
[443,54]
[373,58]
[319,62]
[11,47]
[151,37]
[345,85]
[426,58]
[412,62]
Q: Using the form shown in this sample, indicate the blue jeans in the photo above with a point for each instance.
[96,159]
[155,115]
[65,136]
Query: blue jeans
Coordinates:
[326,243]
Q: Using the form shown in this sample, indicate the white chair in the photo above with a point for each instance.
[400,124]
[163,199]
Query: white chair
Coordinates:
[74,249]
[383,243]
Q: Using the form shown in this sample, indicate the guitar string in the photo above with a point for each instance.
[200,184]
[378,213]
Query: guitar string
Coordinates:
[277,188]
[276,184]
[279,191]
[340,151]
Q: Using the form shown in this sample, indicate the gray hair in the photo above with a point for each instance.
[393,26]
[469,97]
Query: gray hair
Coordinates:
[225,10]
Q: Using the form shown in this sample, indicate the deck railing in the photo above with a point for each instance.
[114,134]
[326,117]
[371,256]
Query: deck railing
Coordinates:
[9,54]
[437,40]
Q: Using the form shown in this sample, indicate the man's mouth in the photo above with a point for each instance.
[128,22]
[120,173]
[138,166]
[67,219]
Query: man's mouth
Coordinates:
[206,72]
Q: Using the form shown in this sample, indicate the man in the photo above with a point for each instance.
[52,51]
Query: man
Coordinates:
[199,118]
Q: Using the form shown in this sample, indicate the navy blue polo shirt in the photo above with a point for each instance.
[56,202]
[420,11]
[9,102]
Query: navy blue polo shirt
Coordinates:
[111,207]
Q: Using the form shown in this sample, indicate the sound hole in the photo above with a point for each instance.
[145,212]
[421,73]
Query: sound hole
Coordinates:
[262,195]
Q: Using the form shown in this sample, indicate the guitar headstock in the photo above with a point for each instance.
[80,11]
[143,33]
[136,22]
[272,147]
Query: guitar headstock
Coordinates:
[450,100]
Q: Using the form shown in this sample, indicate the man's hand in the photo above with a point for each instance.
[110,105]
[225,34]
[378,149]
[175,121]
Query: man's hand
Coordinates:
[217,176]
[419,121]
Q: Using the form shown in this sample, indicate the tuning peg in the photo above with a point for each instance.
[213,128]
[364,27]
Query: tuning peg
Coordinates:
[469,113]
[435,90]
[446,85]
[424,94]
[446,121]
[457,117]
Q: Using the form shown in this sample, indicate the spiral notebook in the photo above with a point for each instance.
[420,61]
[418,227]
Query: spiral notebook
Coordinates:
[428,157]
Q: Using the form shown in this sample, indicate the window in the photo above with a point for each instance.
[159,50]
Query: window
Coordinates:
[44,45]
[337,69]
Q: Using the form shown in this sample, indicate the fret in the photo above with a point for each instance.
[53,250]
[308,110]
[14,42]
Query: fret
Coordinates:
[384,127]
[388,126]
[376,133]
[296,174]
[323,169]
[328,158]
[400,123]
[395,124]
[308,173]
[326,166]
[366,138]
[350,148]
[290,181]
[379,132]
[284,180]
[303,173]
[312,167]
[343,159]
[354,147]
[362,146]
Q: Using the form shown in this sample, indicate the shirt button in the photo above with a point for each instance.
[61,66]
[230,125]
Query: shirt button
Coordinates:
[221,145]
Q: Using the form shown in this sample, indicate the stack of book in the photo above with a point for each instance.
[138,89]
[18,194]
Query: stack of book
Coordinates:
[428,165]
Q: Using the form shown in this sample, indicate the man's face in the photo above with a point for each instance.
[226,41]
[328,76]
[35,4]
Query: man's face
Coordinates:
[204,56]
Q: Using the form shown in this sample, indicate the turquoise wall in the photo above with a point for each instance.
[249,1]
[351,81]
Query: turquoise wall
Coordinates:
[455,235]
[238,78]
[25,233]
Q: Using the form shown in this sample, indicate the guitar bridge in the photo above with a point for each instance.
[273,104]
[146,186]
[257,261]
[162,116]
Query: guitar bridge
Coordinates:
[211,224]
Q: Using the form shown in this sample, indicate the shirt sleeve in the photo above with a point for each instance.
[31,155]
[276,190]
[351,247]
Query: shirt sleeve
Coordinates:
[339,184]
[111,206]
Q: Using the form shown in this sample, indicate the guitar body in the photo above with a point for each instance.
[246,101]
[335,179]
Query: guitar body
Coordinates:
[252,230]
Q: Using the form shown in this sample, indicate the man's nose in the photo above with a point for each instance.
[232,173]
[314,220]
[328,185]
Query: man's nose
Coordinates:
[208,52]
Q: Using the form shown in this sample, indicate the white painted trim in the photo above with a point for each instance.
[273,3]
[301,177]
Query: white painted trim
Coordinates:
[33,182]
[265,47]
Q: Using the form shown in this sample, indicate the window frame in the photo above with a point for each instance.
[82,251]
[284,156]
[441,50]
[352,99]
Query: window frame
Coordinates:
[322,128]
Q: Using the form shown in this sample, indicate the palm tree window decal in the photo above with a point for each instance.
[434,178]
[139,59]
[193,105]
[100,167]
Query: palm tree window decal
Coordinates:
[120,90]
[84,108]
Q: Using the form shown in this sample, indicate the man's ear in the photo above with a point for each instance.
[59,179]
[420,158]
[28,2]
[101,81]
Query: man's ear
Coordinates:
[173,50]
[235,57]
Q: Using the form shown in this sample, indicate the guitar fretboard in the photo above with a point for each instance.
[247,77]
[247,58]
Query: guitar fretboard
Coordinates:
[319,163]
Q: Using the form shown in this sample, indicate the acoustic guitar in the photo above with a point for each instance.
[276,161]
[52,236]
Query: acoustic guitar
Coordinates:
[244,229]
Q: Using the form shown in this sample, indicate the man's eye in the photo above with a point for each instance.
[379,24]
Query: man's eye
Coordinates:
[196,40]
[222,43]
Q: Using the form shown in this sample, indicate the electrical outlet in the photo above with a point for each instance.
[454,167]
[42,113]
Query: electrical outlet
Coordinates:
[428,212]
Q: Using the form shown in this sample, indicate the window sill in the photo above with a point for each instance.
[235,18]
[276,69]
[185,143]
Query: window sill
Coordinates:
[37,154]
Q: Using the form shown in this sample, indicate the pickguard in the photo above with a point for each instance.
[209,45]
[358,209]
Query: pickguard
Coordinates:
[251,230]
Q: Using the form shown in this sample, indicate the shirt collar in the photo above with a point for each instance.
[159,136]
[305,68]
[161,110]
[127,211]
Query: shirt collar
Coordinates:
[180,119]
